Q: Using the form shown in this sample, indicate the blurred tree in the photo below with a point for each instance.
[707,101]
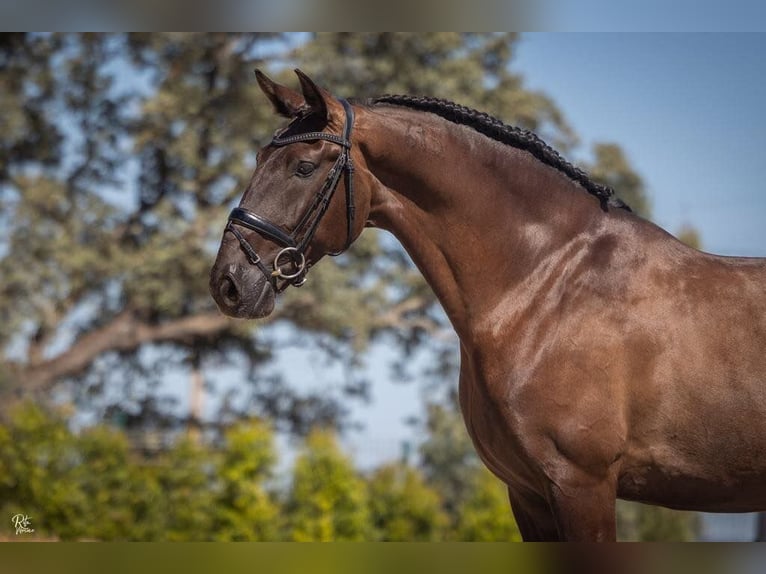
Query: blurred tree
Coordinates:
[484,515]
[690,236]
[38,470]
[92,485]
[403,507]
[475,501]
[612,168]
[643,523]
[112,210]
[75,487]
[245,509]
[185,473]
[123,498]
[327,500]
[448,459]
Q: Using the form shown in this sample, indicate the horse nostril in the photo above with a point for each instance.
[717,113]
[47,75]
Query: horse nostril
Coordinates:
[229,292]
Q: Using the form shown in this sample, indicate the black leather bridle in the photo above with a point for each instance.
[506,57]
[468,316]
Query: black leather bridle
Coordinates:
[294,244]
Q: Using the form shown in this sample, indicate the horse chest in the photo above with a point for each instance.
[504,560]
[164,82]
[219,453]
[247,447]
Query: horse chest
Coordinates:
[500,444]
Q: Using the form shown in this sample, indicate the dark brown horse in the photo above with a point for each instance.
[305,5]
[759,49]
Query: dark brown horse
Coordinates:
[600,357]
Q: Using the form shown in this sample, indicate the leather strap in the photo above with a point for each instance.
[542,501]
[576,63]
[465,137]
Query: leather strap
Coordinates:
[308,137]
[261,225]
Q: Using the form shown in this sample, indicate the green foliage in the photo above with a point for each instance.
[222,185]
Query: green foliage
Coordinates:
[403,507]
[72,486]
[327,500]
[124,503]
[185,474]
[448,458]
[246,510]
[611,167]
[690,236]
[485,515]
[94,485]
[38,464]
[475,500]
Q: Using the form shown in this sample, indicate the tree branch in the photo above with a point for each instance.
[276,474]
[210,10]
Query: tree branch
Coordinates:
[409,314]
[126,332]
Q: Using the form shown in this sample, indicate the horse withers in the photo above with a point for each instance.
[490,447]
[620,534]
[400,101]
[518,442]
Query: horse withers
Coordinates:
[601,358]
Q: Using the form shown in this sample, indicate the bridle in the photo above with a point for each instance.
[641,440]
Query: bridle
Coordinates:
[294,244]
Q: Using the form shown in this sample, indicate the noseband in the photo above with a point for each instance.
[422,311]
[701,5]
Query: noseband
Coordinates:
[294,244]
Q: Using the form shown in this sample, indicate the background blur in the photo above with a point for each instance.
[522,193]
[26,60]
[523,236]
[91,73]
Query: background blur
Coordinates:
[131,409]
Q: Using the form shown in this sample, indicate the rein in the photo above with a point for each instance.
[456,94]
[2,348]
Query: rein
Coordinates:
[295,243]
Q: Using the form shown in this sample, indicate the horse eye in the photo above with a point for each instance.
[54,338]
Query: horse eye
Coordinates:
[305,168]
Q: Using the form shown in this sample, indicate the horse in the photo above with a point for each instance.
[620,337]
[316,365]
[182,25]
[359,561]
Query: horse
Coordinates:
[601,358]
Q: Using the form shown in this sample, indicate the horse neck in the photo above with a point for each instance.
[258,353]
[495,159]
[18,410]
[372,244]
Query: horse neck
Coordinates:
[477,216]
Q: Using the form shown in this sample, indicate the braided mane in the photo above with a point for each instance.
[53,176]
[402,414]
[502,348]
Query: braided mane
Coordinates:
[514,136]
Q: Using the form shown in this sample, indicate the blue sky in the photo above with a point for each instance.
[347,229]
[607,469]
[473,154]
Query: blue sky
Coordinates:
[688,111]
[651,15]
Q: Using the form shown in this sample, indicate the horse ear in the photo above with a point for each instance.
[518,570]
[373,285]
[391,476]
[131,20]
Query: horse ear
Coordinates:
[286,102]
[316,97]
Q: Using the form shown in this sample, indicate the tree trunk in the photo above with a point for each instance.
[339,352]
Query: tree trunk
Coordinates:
[197,394]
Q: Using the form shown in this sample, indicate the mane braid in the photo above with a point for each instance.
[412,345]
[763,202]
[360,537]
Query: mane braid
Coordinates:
[511,135]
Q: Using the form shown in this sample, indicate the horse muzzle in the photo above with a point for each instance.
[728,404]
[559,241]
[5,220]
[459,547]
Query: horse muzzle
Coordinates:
[241,292]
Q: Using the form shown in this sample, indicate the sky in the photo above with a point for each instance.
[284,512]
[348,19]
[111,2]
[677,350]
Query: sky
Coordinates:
[651,15]
[686,109]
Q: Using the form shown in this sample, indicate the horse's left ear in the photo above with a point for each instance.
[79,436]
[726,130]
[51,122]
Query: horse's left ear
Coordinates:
[286,102]
[316,98]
